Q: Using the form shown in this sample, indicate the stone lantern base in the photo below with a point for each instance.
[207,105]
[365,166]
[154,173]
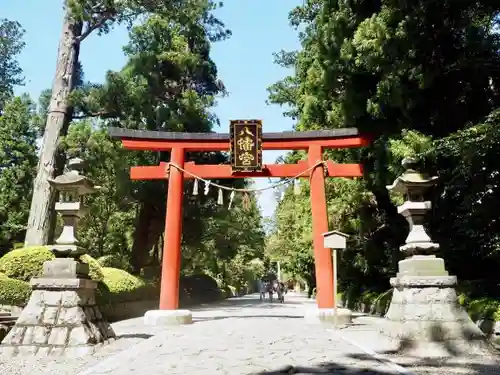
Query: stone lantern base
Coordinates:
[424,317]
[61,317]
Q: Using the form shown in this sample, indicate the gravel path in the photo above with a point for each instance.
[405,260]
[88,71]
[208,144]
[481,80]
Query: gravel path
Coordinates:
[237,336]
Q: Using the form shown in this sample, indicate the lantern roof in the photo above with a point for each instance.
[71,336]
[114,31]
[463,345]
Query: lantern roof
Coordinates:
[72,180]
[411,178]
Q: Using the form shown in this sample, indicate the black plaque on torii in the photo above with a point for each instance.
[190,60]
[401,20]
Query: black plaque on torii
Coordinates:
[246,145]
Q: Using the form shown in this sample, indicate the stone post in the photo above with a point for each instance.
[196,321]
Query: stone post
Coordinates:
[424,315]
[61,317]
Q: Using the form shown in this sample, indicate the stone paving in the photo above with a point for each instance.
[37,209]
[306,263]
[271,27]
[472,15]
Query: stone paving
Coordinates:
[364,330]
[243,336]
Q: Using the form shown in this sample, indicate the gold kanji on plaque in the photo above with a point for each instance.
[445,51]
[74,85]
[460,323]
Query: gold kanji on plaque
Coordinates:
[246,145]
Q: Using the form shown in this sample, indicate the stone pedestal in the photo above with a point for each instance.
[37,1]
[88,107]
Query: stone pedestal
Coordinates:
[61,317]
[424,317]
[168,317]
[341,317]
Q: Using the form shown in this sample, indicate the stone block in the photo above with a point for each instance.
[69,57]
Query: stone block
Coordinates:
[57,351]
[71,316]
[41,335]
[89,312]
[340,317]
[29,336]
[43,351]
[31,315]
[81,335]
[97,313]
[37,298]
[70,298]
[62,284]
[8,351]
[168,317]
[96,333]
[65,268]
[58,336]
[50,315]
[51,298]
[28,350]
[422,265]
[15,336]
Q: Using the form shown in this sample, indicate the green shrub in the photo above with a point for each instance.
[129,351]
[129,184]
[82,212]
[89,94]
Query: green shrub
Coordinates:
[115,261]
[95,270]
[25,263]
[463,300]
[120,286]
[14,292]
[382,302]
[482,308]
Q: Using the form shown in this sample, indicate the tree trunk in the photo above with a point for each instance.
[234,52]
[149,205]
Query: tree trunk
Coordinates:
[58,118]
[149,227]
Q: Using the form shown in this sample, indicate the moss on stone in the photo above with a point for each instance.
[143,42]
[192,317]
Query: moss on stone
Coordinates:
[14,292]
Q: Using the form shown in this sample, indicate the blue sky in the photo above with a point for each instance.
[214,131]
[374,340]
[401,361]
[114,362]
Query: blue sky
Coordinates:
[245,61]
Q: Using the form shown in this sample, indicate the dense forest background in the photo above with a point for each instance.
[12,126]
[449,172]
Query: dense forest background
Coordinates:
[421,76]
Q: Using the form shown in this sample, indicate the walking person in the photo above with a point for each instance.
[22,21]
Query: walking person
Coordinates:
[262,289]
[280,290]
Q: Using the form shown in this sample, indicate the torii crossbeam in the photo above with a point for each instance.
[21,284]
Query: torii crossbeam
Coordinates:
[181,143]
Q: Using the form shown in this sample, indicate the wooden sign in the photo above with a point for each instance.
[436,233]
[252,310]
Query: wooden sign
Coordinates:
[246,145]
[334,240]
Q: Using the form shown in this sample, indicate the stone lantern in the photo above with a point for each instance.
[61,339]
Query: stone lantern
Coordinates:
[72,187]
[424,316]
[62,317]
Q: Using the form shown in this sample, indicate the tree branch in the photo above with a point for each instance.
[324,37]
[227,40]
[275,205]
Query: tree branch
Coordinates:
[94,114]
[107,16]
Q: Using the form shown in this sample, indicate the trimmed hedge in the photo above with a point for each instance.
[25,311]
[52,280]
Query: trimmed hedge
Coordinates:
[120,286]
[115,261]
[27,262]
[14,292]
[115,285]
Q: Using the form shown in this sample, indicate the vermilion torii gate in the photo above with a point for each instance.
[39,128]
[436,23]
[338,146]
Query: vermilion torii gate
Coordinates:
[314,142]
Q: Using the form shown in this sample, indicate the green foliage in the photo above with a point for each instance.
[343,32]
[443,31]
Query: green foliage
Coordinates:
[370,65]
[25,263]
[11,45]
[114,261]
[18,160]
[14,292]
[119,286]
[95,270]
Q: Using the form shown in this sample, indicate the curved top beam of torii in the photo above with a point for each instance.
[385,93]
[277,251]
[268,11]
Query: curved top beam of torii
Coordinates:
[288,140]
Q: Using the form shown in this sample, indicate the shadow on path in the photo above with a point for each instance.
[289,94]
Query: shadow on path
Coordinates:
[431,366]
[329,368]
[204,319]
[134,336]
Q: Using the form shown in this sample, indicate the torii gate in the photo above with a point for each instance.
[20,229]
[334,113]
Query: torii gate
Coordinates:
[314,142]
